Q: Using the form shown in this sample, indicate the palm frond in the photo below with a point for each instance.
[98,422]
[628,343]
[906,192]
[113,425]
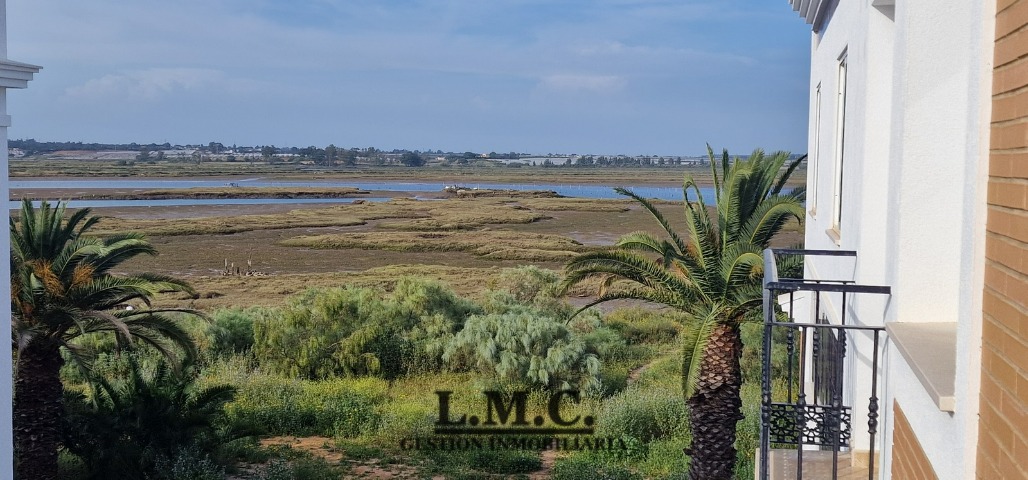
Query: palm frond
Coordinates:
[656,215]
[787,174]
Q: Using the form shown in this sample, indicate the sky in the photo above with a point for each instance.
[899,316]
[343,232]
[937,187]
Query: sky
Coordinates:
[640,77]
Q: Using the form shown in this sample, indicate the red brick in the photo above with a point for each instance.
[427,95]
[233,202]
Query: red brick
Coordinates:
[1000,222]
[1008,194]
[1014,135]
[1001,165]
[1009,48]
[1011,106]
[1009,77]
[909,460]
[995,278]
[1011,19]
[1016,288]
[1015,350]
[1003,252]
[1019,166]
[1014,414]
[1004,4]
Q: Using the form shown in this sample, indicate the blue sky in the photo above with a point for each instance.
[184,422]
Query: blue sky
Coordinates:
[579,76]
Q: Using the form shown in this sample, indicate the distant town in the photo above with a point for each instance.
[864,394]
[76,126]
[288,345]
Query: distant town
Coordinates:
[330,155]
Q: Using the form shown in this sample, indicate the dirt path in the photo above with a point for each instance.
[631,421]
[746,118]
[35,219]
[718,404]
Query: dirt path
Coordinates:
[549,458]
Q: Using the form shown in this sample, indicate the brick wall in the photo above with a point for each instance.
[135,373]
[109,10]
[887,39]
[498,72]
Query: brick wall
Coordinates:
[1003,427]
[909,461]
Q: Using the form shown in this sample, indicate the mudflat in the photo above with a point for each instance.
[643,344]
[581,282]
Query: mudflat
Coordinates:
[261,254]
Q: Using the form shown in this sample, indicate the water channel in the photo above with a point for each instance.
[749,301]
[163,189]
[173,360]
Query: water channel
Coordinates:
[28,187]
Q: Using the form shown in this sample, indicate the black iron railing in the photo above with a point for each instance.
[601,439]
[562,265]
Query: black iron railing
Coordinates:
[811,411]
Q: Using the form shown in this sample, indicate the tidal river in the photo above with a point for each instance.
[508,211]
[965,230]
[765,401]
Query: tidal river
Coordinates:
[568,190]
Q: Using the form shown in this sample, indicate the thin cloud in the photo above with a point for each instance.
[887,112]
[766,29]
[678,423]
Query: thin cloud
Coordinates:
[603,84]
[155,83]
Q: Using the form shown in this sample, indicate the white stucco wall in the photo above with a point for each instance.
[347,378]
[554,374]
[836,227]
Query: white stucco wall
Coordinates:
[12,75]
[6,390]
[915,177]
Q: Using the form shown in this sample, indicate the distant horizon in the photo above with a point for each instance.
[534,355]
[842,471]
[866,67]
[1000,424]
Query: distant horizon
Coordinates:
[638,77]
[436,151]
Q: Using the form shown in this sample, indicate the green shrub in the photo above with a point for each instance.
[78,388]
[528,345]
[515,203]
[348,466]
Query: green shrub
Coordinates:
[643,414]
[533,350]
[529,282]
[277,469]
[399,420]
[358,331]
[588,467]
[505,461]
[666,459]
[605,343]
[644,325]
[70,466]
[277,406]
[188,464]
[140,422]
[315,469]
[528,288]
[231,330]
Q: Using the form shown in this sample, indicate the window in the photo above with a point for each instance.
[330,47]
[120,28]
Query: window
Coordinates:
[813,159]
[840,141]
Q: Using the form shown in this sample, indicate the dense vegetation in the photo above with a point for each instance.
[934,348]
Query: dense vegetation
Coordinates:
[362,390]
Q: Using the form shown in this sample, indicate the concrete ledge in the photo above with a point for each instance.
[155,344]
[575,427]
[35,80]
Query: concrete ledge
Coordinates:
[931,351]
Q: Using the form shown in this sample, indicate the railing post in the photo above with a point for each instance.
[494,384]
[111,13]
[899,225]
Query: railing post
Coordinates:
[770,275]
[872,409]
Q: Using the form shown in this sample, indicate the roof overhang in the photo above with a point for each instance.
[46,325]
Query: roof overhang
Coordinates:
[812,11]
[16,74]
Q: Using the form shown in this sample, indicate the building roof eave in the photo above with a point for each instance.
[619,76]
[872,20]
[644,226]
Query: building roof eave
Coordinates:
[16,74]
[812,11]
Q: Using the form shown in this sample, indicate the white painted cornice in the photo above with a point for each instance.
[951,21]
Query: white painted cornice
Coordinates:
[812,11]
[16,74]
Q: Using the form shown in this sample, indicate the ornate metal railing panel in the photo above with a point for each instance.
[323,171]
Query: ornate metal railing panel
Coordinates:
[797,416]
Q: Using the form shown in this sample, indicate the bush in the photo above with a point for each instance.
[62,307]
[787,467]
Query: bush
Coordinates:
[231,330]
[642,325]
[645,415]
[143,422]
[505,461]
[586,467]
[357,331]
[188,464]
[277,470]
[528,288]
[525,348]
[276,406]
[399,420]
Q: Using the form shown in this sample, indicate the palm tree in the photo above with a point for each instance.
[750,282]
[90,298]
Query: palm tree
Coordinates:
[62,287]
[134,422]
[713,274]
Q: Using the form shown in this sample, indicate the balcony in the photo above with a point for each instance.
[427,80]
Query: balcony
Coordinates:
[811,402]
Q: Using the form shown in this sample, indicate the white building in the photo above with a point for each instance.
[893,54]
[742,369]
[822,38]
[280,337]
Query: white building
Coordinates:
[917,141]
[12,75]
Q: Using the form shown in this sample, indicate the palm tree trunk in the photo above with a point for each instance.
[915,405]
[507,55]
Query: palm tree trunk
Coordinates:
[37,410]
[716,407]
